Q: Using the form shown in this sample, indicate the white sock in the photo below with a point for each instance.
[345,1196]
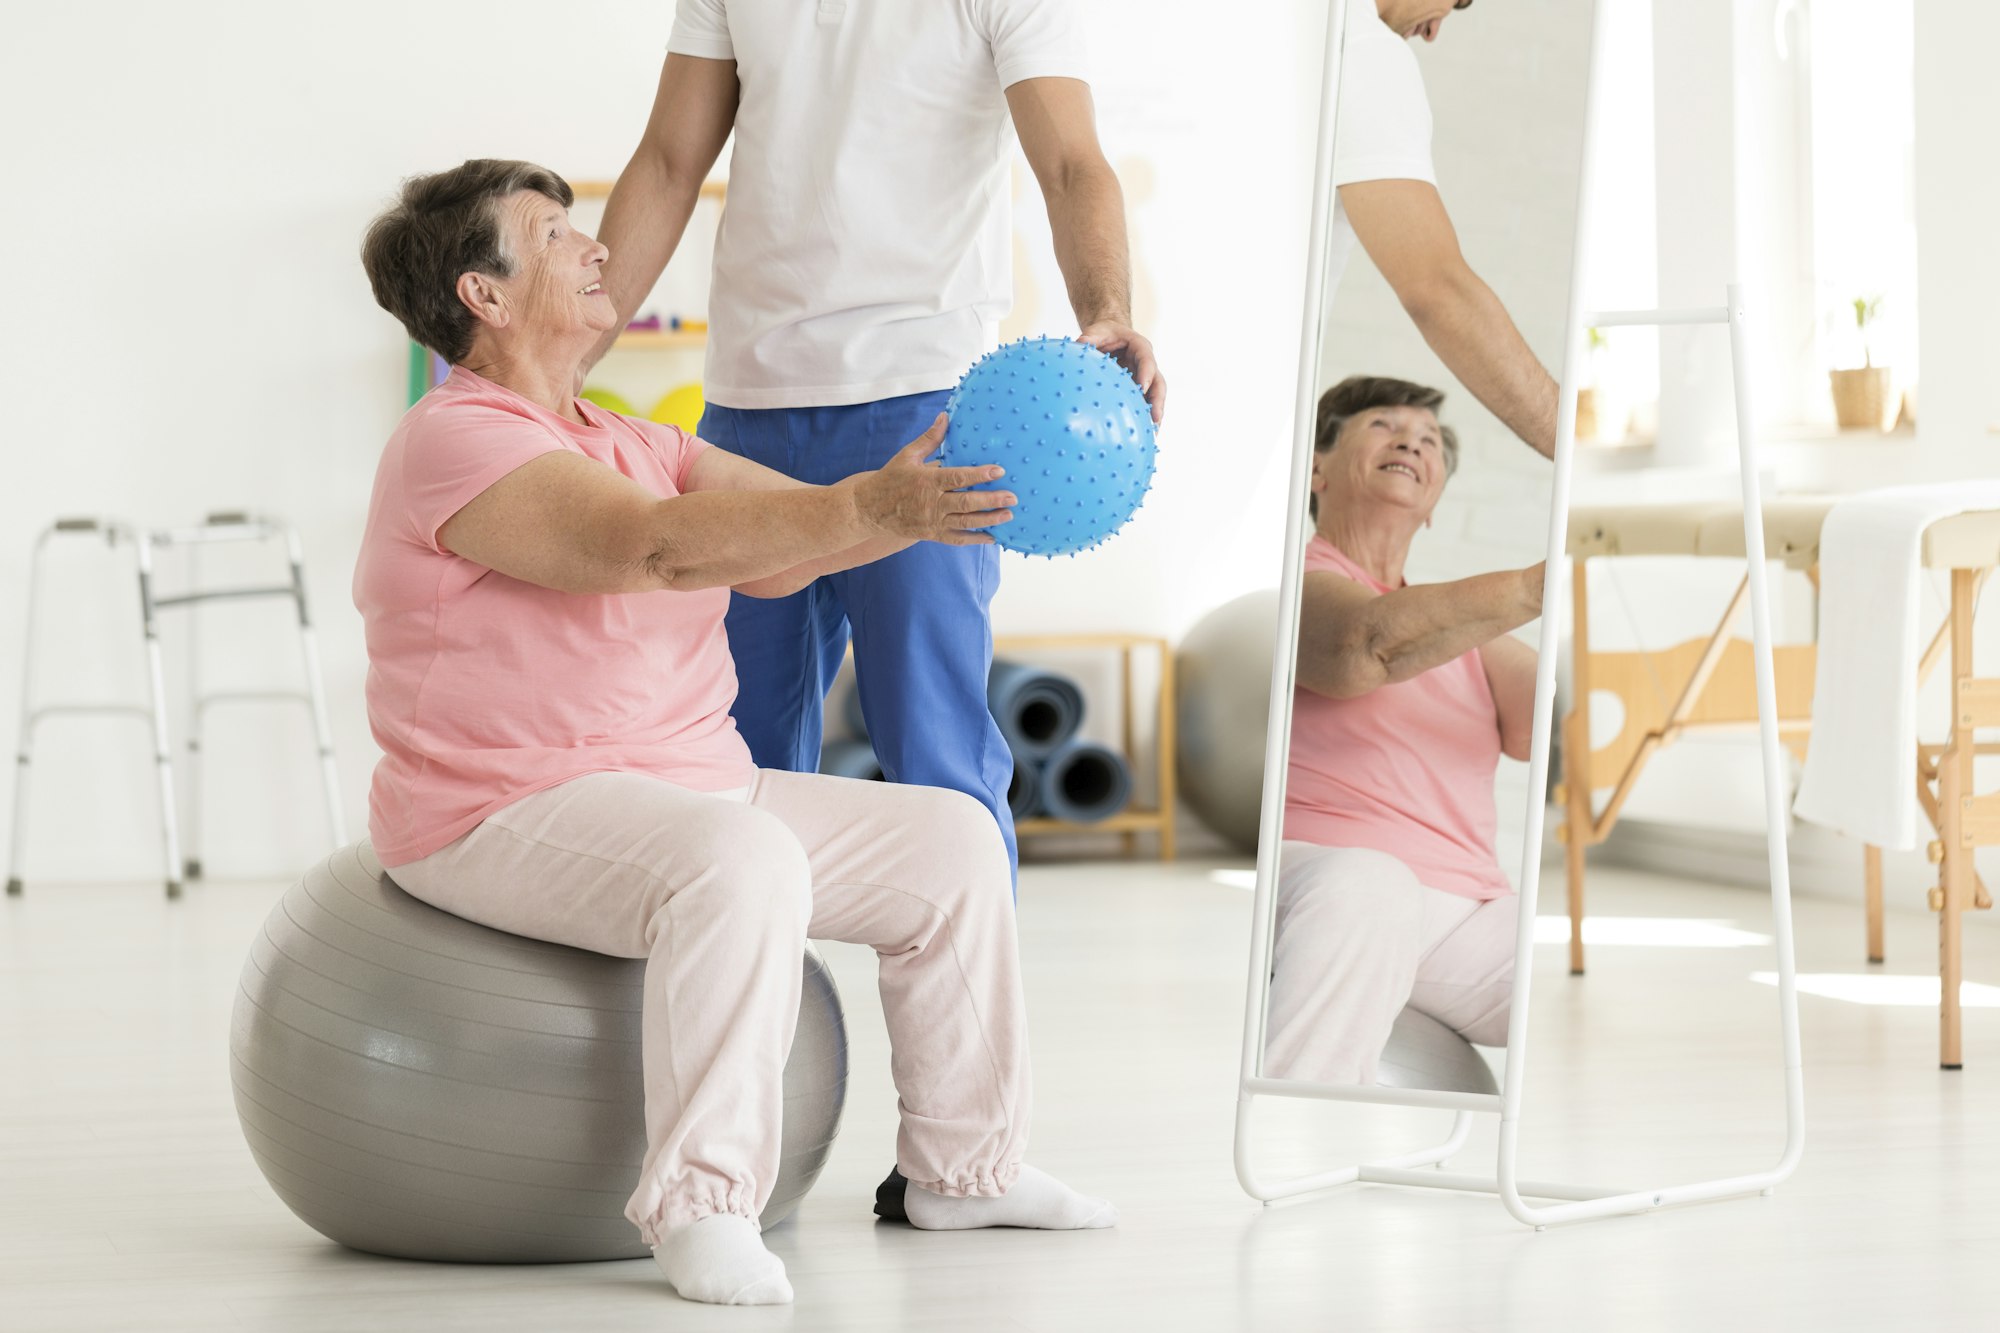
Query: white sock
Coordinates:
[1037,1199]
[721,1260]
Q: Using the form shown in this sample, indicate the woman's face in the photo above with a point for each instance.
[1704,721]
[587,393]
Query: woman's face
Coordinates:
[1383,456]
[555,288]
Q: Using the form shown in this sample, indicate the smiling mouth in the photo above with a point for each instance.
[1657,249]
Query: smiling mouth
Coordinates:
[1403,468]
[591,290]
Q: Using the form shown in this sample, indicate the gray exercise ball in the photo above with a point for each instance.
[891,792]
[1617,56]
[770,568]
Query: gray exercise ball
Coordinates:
[416,1085]
[1224,672]
[1423,1053]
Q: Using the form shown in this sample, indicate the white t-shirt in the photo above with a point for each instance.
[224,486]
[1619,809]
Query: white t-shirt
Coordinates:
[864,250]
[1382,127]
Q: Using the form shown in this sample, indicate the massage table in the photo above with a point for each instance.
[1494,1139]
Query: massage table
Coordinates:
[1710,685]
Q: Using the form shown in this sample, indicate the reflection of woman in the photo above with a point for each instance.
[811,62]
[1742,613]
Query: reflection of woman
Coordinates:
[1390,893]
[543,585]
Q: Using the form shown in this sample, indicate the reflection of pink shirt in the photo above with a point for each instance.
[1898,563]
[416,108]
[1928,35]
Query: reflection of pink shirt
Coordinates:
[1405,769]
[483,689]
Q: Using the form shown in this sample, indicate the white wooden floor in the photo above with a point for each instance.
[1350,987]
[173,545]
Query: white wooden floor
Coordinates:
[128,1201]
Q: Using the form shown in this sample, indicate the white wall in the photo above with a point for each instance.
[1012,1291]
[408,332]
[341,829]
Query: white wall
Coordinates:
[193,330]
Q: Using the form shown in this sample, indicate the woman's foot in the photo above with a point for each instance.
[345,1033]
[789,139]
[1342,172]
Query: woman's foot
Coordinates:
[721,1260]
[1036,1199]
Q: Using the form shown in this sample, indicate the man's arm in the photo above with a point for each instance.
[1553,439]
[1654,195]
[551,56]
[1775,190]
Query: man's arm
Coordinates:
[1058,131]
[655,194]
[1405,230]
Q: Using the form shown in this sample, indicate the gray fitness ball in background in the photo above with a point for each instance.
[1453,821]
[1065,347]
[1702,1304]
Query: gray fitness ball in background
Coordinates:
[1224,671]
[416,1085]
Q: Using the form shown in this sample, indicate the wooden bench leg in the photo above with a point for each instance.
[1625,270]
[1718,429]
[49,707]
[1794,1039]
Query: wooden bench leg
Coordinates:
[1954,786]
[1872,870]
[1576,761]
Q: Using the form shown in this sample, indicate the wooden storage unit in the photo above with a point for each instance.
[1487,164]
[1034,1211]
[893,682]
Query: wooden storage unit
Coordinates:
[1131,822]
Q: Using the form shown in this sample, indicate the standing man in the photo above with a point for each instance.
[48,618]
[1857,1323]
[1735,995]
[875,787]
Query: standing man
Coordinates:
[863,263]
[1388,200]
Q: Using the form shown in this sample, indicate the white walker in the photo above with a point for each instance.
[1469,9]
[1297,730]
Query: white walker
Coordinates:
[229,527]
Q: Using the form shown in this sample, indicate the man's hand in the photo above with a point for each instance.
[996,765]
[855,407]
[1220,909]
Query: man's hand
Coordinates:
[913,499]
[1132,350]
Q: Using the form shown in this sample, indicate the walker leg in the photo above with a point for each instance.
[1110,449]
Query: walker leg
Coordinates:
[336,822]
[14,850]
[23,754]
[198,716]
[162,753]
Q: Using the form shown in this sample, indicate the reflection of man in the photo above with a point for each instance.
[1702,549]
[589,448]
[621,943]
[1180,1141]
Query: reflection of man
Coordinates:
[862,264]
[1388,200]
[1389,889]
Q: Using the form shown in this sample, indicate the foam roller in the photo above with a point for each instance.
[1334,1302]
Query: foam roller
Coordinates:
[850,759]
[1084,782]
[1037,709]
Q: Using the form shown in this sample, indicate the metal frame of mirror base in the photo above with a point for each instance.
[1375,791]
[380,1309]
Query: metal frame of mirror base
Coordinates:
[1580,1203]
[1577,1203]
[1423,1169]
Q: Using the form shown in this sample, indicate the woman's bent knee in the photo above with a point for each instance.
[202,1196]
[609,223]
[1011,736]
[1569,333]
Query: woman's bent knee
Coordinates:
[747,861]
[961,843]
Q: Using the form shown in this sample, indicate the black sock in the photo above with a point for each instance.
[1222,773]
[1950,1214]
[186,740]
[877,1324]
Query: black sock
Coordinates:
[889,1197]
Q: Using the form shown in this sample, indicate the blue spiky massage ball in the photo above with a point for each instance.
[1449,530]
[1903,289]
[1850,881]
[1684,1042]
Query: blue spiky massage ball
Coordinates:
[1073,432]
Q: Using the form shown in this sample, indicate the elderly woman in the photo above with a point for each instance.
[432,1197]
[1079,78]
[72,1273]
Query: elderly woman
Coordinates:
[1389,890]
[543,584]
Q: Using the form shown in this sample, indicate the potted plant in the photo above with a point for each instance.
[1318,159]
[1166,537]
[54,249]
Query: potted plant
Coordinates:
[1861,398]
[1597,416]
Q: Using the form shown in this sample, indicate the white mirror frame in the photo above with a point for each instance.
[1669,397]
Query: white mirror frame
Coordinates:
[1579,1202]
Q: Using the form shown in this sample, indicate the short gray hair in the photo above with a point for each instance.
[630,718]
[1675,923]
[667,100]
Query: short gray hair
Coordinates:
[441,226]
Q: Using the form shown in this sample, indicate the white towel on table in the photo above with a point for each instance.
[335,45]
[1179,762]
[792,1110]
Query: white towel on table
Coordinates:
[1861,764]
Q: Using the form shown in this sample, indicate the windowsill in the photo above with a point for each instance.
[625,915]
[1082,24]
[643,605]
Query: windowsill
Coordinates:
[1819,432]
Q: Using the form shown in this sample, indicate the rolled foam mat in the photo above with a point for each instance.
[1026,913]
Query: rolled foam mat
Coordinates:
[1024,792]
[1037,710]
[1084,782]
[850,711]
[850,759]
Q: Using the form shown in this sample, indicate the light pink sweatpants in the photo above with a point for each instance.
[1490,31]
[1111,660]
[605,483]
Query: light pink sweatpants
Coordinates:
[718,894]
[1359,938]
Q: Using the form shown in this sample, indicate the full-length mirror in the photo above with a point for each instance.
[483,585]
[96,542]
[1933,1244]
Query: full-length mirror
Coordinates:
[1391,916]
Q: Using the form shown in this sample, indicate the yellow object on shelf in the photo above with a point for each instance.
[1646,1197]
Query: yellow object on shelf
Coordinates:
[607,400]
[680,407]
[681,337]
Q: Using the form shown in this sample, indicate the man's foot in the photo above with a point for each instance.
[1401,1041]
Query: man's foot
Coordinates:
[721,1260]
[889,1197]
[1037,1199]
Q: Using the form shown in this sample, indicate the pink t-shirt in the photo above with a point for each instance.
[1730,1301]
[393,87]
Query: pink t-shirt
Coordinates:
[483,689]
[1405,769]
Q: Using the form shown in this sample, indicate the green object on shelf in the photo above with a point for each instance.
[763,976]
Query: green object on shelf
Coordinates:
[420,372]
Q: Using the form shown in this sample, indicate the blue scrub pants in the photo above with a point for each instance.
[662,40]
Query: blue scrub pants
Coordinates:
[922,642]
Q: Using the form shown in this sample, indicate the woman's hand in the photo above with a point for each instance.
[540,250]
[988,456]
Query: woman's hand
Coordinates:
[912,499]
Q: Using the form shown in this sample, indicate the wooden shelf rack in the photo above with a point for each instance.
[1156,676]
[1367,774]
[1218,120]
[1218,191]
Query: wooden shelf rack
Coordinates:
[1129,823]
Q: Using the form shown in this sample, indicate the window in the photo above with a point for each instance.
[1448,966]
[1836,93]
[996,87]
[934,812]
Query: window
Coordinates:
[1859,66]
